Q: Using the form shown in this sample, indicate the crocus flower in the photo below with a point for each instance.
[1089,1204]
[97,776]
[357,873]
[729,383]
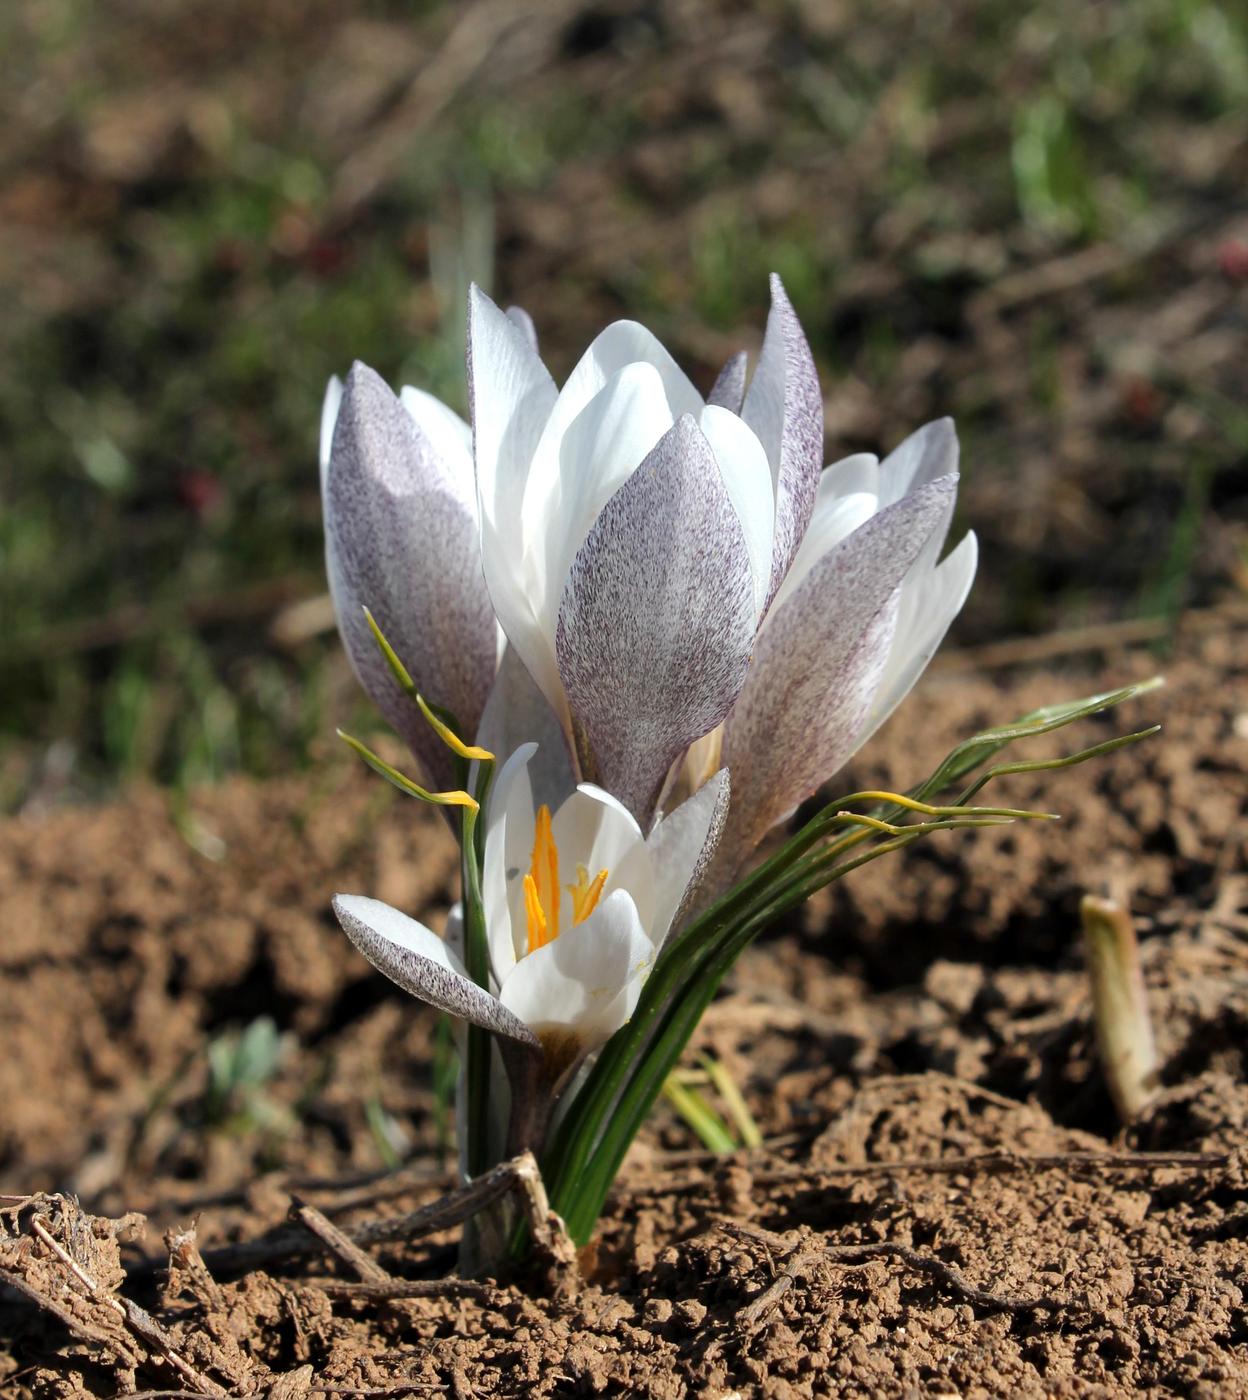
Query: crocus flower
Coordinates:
[633,535]
[858,616]
[577,905]
[402,539]
[680,578]
[677,578]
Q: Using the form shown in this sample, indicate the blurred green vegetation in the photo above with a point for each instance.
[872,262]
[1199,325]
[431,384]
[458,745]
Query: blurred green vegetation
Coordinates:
[209,210]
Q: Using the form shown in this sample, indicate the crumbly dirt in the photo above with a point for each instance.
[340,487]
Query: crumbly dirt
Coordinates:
[916,1048]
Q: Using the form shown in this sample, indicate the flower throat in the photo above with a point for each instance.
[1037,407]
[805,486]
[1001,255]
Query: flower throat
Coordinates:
[541,887]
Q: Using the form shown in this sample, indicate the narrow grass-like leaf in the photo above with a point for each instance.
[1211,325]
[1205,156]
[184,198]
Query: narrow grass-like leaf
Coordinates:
[734,1101]
[979,748]
[585,1154]
[477,962]
[456,798]
[437,719]
[711,1130]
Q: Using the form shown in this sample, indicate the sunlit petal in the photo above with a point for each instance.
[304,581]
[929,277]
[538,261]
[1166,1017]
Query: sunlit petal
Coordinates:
[585,984]
[784,406]
[416,959]
[657,619]
[402,540]
[818,664]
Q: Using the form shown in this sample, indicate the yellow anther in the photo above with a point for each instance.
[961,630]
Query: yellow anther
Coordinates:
[538,929]
[541,887]
[544,868]
[585,893]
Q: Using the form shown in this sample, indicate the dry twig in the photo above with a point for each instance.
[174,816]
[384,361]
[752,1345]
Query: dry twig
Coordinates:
[520,1175]
[984,1162]
[137,1319]
[806,1254]
[338,1243]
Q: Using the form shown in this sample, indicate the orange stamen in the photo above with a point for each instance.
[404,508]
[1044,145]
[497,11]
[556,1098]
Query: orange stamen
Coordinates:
[544,868]
[538,928]
[586,893]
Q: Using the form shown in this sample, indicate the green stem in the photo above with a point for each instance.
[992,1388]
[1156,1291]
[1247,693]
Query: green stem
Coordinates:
[477,961]
[586,1151]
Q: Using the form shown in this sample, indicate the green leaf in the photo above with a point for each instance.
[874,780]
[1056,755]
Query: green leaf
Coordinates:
[583,1157]
[711,1130]
[456,798]
[738,1110]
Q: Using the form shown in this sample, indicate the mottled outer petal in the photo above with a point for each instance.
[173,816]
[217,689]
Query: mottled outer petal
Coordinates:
[818,661]
[402,540]
[784,406]
[657,619]
[416,959]
[728,391]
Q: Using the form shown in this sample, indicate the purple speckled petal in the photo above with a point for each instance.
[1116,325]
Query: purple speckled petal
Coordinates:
[817,664]
[401,538]
[728,391]
[656,619]
[784,406]
[416,959]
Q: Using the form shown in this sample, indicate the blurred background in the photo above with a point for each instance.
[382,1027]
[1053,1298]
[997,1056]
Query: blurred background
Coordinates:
[1030,217]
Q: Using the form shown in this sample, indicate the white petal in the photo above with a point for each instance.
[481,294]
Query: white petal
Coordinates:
[595,830]
[930,600]
[448,432]
[587,982]
[508,846]
[677,853]
[520,318]
[329,416]
[848,475]
[623,343]
[747,479]
[590,461]
[929,453]
[511,395]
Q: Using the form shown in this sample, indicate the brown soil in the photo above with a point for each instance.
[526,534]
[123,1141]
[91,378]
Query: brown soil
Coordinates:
[930,1011]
